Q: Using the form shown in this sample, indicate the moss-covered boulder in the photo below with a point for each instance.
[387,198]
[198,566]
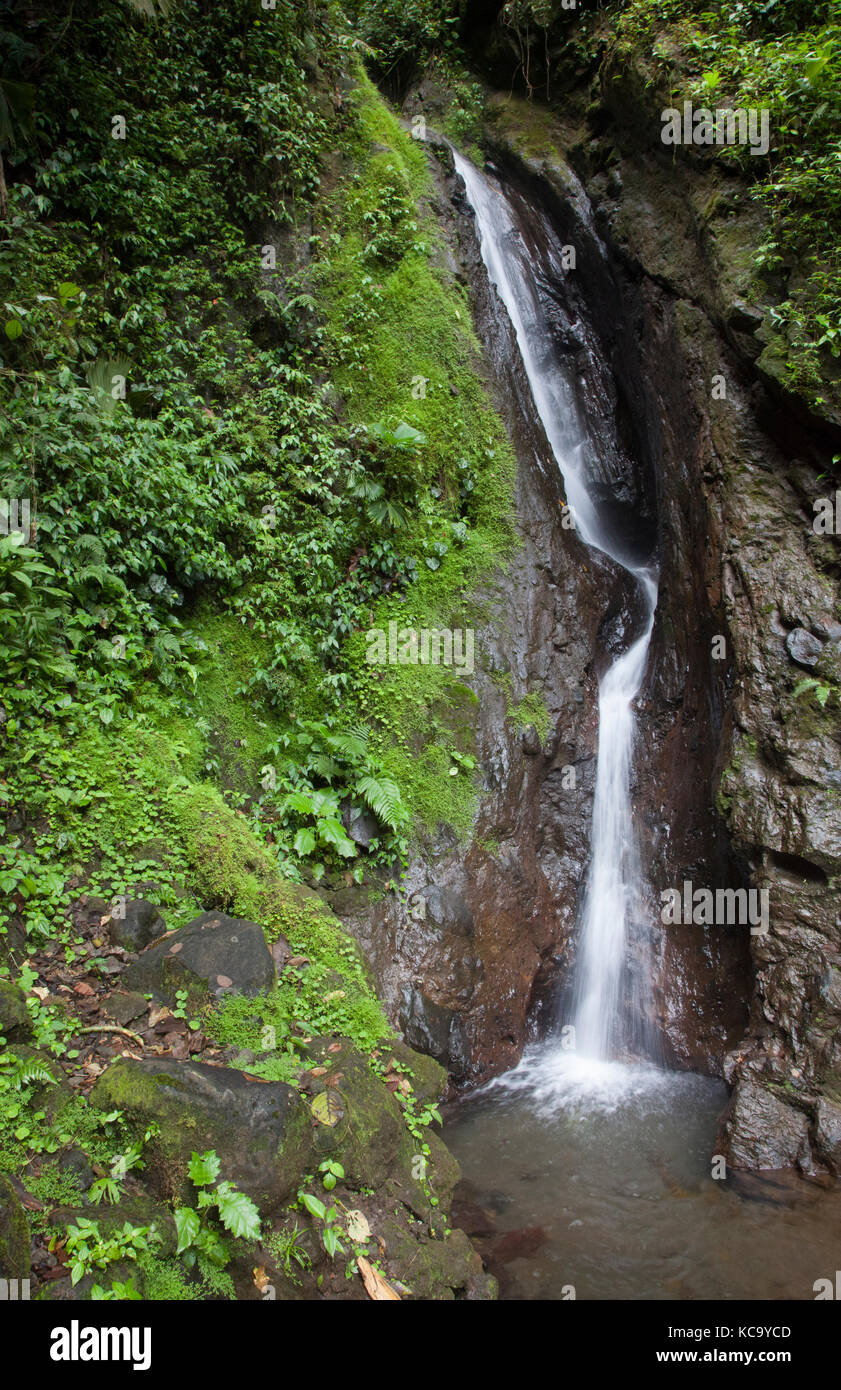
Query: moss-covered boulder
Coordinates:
[15,1023]
[356,1119]
[213,956]
[14,1234]
[428,1077]
[434,1269]
[260,1130]
[138,1208]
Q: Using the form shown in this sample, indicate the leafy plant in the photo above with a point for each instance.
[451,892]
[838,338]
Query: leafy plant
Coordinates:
[331,1172]
[120,1290]
[330,1217]
[821,690]
[286,1247]
[89,1250]
[236,1212]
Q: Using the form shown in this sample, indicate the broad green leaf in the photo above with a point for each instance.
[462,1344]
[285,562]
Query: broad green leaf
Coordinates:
[204,1168]
[238,1213]
[313,1205]
[187,1225]
[304,842]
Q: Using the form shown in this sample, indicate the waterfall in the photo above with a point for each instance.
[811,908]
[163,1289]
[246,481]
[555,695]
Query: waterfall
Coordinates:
[609,1004]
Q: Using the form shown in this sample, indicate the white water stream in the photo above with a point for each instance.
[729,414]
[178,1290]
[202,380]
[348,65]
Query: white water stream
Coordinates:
[613,891]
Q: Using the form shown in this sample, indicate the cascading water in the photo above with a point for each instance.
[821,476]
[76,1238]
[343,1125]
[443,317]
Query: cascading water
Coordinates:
[608,1018]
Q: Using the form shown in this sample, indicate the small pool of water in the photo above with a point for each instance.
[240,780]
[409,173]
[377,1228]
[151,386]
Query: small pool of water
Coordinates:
[598,1176]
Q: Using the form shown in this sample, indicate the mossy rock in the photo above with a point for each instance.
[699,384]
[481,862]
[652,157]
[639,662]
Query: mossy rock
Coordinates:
[370,1140]
[14,1234]
[434,1269]
[15,1023]
[232,868]
[428,1077]
[261,1131]
[62,1291]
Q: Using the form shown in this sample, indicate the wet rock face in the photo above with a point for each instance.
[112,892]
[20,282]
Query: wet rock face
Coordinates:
[738,476]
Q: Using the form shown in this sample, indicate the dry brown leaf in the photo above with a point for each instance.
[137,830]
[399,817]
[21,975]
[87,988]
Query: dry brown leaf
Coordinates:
[261,1278]
[375,1285]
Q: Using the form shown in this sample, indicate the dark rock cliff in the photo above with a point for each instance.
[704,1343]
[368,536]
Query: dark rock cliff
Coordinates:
[738,782]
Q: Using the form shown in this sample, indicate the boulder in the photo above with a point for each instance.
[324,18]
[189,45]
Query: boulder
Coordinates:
[369,1138]
[213,955]
[141,924]
[428,1077]
[361,824]
[261,1131]
[433,1029]
[138,1208]
[762,1132]
[15,1023]
[436,1269]
[803,647]
[124,1007]
[828,1133]
[14,1234]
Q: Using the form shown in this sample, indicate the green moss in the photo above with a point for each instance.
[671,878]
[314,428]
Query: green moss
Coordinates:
[55,1187]
[166,1282]
[529,711]
[232,869]
[236,724]
[394,322]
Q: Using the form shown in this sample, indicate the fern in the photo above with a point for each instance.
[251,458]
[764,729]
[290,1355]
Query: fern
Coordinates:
[383,797]
[101,374]
[822,692]
[352,745]
[326,767]
[24,1071]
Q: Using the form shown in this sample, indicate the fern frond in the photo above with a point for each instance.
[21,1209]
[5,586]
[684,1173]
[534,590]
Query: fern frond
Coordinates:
[353,744]
[28,1071]
[383,797]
